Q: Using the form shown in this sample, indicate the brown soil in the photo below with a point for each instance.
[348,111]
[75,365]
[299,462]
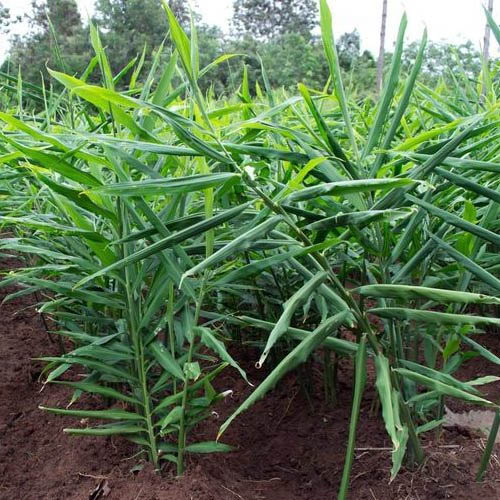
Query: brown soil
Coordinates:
[285,450]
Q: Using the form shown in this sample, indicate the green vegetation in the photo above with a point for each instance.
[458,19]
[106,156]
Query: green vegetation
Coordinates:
[162,226]
[261,30]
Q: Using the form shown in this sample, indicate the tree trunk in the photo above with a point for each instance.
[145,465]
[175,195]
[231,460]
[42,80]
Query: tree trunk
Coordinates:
[487,31]
[380,62]
[486,46]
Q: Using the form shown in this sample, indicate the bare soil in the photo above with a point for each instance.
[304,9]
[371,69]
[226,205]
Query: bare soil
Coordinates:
[286,447]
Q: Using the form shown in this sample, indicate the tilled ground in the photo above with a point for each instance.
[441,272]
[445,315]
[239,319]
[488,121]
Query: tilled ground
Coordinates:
[285,448]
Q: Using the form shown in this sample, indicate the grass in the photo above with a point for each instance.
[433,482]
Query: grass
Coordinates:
[160,225]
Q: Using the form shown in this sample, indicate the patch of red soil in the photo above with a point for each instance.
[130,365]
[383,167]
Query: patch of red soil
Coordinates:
[286,447]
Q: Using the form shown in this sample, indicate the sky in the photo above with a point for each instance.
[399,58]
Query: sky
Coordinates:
[451,20]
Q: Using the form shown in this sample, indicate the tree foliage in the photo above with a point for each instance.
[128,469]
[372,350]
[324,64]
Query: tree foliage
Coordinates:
[267,19]
[130,25]
[4,18]
[280,33]
[444,59]
[66,46]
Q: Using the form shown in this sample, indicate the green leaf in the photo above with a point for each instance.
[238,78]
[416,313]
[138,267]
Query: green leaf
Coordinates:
[218,347]
[347,187]
[239,244]
[192,370]
[333,63]
[442,388]
[289,308]
[297,356]
[496,32]
[456,221]
[460,180]
[441,376]
[166,360]
[107,392]
[407,292]
[175,185]
[168,242]
[208,447]
[106,414]
[359,387]
[390,411]
[106,431]
[438,318]
[361,218]
[391,82]
[474,268]
[481,350]
[180,39]
[171,418]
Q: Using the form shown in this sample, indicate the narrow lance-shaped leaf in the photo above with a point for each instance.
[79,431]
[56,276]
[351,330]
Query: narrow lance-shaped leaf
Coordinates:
[492,438]
[239,244]
[168,242]
[475,187]
[208,447]
[402,105]
[106,430]
[297,356]
[493,25]
[390,411]
[438,318]
[333,62]
[347,187]
[460,163]
[54,163]
[79,198]
[361,218]
[443,377]
[289,308]
[166,360]
[208,338]
[327,135]
[441,387]
[485,353]
[385,100]
[105,414]
[341,346]
[456,221]
[180,39]
[470,265]
[173,185]
[107,392]
[420,292]
[256,267]
[359,387]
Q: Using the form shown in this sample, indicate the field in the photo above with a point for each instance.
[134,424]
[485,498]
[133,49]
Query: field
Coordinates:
[270,295]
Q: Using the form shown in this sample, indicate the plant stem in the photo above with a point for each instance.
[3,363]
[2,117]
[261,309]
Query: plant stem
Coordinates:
[181,445]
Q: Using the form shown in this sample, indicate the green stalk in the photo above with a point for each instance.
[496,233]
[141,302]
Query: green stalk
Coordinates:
[140,365]
[170,323]
[328,377]
[485,459]
[359,385]
[181,444]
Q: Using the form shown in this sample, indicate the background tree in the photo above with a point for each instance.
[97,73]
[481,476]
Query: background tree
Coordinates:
[130,25]
[266,19]
[4,18]
[348,49]
[213,44]
[444,60]
[39,48]
[281,32]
